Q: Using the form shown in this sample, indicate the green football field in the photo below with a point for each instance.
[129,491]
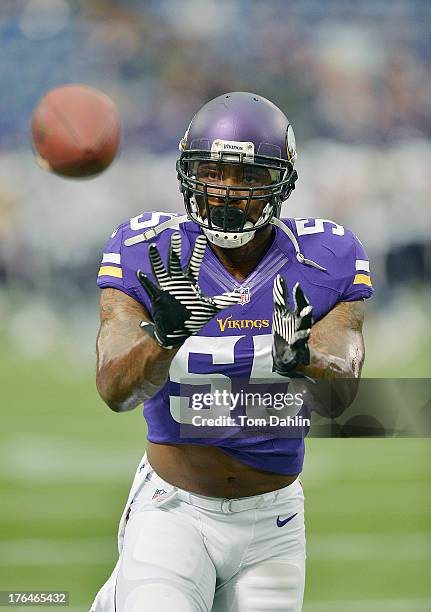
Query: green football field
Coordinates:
[66,466]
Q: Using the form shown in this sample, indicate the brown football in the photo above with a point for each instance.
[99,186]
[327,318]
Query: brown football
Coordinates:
[76,131]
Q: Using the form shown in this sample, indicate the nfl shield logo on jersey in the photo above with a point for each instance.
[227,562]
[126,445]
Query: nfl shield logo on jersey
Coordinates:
[245,295]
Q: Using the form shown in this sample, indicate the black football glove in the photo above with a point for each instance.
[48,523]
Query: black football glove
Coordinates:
[179,308]
[290,329]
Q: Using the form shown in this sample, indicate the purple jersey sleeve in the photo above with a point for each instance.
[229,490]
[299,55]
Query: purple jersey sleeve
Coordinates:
[121,262]
[111,270]
[341,253]
[117,270]
[357,283]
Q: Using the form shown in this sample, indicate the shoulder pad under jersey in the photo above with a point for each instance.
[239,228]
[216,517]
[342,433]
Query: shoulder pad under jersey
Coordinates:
[338,251]
[123,255]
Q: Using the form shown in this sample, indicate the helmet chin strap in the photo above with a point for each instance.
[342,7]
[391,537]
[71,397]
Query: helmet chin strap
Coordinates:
[229,240]
[223,223]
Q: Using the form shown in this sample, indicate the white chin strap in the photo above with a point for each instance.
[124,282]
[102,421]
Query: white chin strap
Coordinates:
[229,240]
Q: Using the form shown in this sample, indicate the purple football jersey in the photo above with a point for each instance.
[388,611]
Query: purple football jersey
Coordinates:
[236,343]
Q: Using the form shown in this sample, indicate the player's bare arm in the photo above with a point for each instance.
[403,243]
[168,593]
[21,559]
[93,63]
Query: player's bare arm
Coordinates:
[131,366]
[336,343]
[337,352]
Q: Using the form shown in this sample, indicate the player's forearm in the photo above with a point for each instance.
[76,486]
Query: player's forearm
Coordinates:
[330,366]
[336,357]
[336,382]
[126,379]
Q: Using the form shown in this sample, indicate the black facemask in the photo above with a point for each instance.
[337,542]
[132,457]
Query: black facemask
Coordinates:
[228,218]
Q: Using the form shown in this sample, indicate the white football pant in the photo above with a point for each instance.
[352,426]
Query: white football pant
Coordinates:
[182,552]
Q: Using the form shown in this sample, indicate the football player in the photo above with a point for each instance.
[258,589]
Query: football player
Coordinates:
[228,292]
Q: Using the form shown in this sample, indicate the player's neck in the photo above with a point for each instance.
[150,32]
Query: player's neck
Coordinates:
[241,261]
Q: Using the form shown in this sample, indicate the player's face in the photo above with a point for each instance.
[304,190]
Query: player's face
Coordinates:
[233,175]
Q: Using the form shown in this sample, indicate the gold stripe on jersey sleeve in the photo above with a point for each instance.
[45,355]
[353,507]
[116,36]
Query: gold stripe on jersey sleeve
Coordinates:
[362,279]
[111,271]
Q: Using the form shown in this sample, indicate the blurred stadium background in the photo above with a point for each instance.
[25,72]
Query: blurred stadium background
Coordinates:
[355,81]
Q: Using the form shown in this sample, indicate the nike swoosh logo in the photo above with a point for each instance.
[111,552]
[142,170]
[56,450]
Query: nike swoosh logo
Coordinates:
[282,523]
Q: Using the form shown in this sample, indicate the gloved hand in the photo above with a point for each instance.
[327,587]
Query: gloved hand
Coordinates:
[290,329]
[180,309]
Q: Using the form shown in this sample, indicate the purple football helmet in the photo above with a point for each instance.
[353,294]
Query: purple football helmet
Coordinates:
[248,131]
